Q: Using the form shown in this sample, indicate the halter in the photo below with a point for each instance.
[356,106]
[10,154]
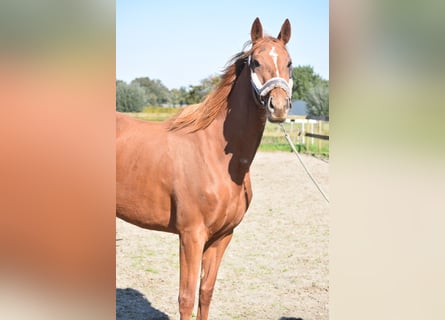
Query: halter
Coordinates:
[262,90]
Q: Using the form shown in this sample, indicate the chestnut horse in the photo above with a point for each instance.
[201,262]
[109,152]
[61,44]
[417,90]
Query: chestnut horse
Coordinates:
[189,175]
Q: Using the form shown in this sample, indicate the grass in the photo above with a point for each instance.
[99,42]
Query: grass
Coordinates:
[153,113]
[274,140]
[273,137]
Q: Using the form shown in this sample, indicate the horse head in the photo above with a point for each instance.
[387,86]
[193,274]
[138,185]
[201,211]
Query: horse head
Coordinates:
[271,71]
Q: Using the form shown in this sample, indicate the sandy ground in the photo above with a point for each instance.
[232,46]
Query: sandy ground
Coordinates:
[276,266]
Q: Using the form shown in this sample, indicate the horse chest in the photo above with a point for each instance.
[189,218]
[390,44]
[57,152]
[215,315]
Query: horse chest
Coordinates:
[230,208]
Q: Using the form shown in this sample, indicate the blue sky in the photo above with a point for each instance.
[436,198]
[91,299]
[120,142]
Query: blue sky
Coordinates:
[183,42]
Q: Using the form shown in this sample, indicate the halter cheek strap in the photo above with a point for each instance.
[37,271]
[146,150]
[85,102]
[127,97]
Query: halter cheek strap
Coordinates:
[263,89]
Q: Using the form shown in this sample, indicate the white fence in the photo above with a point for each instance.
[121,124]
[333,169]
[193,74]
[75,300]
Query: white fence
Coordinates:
[307,127]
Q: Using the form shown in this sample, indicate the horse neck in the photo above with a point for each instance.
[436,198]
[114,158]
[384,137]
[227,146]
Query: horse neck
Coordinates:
[244,124]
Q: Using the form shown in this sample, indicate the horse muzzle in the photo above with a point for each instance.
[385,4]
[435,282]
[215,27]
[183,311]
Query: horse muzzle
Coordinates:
[277,106]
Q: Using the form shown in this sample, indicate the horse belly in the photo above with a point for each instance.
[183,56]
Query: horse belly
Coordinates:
[148,211]
[143,185]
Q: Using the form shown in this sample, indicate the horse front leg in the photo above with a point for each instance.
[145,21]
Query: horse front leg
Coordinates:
[210,264]
[191,245]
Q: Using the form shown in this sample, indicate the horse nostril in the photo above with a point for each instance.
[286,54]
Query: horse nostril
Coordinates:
[270,104]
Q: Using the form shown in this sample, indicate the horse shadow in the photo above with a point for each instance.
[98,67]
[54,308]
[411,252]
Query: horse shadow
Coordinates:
[290,318]
[133,305]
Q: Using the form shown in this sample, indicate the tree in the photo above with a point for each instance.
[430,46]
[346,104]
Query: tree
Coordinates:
[210,83]
[155,92]
[178,96]
[304,78]
[318,100]
[129,98]
[197,93]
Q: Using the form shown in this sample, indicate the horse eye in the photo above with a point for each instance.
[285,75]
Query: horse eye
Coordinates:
[289,65]
[255,63]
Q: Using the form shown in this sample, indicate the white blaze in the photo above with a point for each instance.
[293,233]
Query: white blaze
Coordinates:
[274,56]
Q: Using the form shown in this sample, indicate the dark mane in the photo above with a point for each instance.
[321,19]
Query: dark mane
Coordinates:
[199,116]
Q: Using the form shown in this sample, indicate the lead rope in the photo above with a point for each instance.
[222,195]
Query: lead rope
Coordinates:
[286,135]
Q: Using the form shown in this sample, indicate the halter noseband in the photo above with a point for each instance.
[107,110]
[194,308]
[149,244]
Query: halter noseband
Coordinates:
[262,90]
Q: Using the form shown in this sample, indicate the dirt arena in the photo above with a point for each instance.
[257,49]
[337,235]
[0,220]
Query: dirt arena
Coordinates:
[276,266]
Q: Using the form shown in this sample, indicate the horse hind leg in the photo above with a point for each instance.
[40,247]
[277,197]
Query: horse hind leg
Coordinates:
[190,253]
[210,264]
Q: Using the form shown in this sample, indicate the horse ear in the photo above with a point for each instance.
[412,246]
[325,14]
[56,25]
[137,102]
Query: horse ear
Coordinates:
[257,30]
[284,34]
